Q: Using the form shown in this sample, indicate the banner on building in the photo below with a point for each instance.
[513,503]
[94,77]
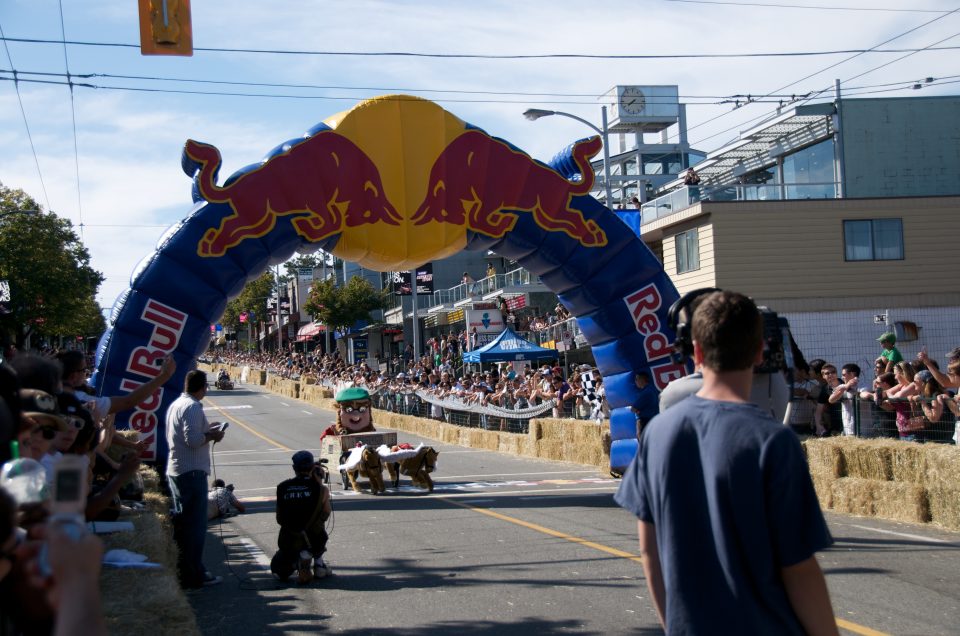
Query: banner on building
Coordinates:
[488,323]
[402,285]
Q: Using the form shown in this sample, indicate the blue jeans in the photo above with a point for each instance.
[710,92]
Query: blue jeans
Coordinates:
[189,493]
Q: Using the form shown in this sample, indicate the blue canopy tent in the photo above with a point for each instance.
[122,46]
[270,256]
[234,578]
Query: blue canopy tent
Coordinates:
[509,347]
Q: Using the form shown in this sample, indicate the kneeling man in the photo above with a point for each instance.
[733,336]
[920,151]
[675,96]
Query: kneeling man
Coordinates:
[303,506]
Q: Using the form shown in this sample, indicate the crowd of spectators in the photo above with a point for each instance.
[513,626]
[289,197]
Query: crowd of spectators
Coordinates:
[439,375]
[50,421]
[907,400]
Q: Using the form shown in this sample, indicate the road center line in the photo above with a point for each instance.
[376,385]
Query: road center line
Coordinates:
[842,623]
[249,428]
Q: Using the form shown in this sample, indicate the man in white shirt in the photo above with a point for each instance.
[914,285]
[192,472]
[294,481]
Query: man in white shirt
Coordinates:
[188,464]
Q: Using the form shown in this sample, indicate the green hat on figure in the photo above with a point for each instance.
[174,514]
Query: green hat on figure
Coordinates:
[351,394]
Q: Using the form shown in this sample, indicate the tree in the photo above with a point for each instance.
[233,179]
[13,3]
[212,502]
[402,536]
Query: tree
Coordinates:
[52,286]
[341,307]
[253,298]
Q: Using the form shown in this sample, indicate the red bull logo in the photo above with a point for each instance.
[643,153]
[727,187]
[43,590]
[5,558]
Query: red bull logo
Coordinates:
[399,181]
[326,181]
[477,178]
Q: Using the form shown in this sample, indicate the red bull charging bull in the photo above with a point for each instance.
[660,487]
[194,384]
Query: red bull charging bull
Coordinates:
[327,180]
[477,178]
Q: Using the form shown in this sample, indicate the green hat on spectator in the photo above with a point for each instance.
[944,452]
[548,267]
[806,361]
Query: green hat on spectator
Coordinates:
[888,337]
[351,394]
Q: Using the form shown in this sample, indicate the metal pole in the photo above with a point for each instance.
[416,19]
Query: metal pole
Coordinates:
[276,273]
[326,327]
[416,318]
[606,156]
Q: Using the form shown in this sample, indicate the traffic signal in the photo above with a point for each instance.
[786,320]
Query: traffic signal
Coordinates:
[165,27]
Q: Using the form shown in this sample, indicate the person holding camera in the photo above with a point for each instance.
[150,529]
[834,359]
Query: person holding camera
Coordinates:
[715,465]
[188,464]
[303,506]
[221,500]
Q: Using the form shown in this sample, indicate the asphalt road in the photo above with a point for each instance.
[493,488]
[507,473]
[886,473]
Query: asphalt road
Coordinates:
[503,545]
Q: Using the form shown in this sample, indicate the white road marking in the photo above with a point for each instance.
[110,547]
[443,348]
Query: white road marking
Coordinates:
[905,535]
[307,412]
[552,472]
[255,552]
[257,451]
[285,404]
[228,408]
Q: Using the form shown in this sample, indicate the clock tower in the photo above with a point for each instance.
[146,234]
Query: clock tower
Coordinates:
[643,109]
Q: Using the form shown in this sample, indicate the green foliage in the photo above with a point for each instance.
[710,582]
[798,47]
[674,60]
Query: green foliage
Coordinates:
[252,298]
[52,286]
[341,307]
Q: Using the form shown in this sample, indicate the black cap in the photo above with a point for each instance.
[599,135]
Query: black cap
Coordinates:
[303,460]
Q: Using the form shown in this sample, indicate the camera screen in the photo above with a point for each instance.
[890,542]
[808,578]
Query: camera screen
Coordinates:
[68,485]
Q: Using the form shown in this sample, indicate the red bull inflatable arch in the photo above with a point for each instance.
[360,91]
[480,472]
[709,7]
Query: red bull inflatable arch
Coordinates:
[393,183]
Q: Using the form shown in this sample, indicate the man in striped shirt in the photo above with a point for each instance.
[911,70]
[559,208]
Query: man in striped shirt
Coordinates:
[188,464]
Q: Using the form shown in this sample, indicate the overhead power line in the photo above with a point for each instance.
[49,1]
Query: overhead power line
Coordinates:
[774,5]
[493,56]
[26,124]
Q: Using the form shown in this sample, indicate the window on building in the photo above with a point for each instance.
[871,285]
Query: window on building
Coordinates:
[809,173]
[873,240]
[688,251]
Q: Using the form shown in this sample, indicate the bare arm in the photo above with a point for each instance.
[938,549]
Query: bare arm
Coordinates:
[126,402]
[809,597]
[651,568]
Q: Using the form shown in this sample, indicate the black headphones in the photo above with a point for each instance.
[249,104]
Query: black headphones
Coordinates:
[683,344]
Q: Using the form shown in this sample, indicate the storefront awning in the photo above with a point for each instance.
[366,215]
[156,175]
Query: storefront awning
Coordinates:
[309,330]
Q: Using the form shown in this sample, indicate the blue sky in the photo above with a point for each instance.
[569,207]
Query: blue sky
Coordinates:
[128,144]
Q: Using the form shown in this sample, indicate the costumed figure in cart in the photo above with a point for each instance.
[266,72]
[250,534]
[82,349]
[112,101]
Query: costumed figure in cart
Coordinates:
[362,452]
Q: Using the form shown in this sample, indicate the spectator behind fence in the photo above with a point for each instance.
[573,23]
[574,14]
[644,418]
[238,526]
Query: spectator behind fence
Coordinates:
[948,380]
[844,393]
[827,418]
[904,388]
[743,480]
[883,418]
[799,415]
[890,352]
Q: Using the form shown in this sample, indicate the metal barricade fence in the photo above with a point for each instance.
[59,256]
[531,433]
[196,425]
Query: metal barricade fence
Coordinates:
[872,421]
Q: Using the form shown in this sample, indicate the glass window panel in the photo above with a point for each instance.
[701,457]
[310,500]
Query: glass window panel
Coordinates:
[888,239]
[857,241]
[688,251]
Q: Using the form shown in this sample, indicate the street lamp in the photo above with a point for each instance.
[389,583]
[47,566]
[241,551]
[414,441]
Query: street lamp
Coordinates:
[534,114]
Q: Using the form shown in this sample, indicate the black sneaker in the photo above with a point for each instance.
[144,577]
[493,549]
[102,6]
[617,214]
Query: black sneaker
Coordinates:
[209,579]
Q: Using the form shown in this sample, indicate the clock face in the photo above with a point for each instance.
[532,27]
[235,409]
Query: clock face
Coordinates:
[632,101]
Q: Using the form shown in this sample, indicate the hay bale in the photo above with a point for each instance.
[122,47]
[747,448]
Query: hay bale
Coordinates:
[510,443]
[944,506]
[869,459]
[942,464]
[160,606]
[884,499]
[823,485]
[909,462]
[825,456]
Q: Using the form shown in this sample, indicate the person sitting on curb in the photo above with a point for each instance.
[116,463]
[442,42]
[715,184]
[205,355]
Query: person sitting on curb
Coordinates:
[303,506]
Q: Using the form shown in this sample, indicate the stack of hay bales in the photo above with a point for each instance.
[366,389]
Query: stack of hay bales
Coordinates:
[886,478]
[138,602]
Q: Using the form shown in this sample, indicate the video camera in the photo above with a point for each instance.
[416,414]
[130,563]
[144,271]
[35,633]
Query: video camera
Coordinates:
[320,469]
[777,347]
[777,339]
